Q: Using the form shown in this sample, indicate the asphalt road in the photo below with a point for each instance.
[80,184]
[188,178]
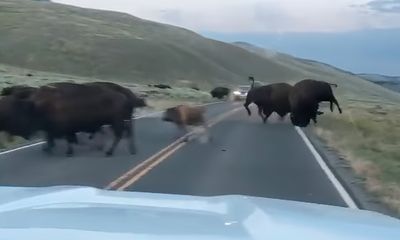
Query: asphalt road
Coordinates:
[245,157]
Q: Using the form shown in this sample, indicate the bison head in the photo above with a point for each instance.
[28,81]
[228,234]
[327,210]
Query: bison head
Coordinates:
[300,120]
[17,116]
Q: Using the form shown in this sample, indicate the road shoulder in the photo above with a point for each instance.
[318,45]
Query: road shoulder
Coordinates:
[343,172]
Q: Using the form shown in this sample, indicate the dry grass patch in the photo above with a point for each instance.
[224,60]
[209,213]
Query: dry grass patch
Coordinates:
[368,135]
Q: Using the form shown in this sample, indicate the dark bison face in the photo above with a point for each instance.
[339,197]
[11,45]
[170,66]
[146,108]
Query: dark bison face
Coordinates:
[17,117]
[300,120]
[170,115]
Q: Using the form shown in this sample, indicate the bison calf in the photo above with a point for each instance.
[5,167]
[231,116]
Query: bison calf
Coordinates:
[184,116]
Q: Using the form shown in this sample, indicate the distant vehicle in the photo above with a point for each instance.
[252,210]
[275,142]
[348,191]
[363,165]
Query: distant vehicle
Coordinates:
[90,213]
[240,92]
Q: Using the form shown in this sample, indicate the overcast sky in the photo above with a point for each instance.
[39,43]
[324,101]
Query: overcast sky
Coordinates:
[229,19]
[259,15]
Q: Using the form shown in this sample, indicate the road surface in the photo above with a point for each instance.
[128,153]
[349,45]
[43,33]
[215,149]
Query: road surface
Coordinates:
[244,157]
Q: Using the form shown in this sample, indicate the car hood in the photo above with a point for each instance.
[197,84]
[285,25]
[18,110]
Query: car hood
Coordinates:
[89,213]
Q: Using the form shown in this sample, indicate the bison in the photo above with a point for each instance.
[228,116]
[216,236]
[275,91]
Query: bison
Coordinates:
[269,98]
[64,109]
[55,108]
[184,116]
[20,91]
[220,92]
[162,86]
[16,117]
[133,100]
[305,98]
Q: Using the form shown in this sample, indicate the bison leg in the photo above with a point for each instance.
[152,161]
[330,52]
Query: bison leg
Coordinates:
[314,118]
[91,136]
[267,113]
[246,105]
[336,103]
[48,147]
[129,126]
[118,129]
[100,141]
[185,131]
[71,139]
[207,131]
[260,111]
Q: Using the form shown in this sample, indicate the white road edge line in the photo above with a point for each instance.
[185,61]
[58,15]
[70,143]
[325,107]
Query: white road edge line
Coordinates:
[139,117]
[339,187]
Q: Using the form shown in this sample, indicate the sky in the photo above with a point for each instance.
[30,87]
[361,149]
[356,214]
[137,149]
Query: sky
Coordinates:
[356,35]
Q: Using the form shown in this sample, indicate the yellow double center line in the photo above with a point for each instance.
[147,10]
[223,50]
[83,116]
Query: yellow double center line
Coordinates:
[134,174]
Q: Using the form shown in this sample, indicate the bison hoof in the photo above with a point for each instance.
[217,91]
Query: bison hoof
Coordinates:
[99,147]
[132,151]
[47,149]
[109,153]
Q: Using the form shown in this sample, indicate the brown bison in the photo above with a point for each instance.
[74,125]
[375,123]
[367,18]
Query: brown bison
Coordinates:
[269,98]
[133,100]
[305,98]
[184,116]
[63,109]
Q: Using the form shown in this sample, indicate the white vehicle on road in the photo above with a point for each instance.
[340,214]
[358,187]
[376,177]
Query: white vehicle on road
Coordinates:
[240,93]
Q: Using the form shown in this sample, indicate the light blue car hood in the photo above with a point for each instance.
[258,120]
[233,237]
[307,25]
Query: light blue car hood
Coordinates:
[73,213]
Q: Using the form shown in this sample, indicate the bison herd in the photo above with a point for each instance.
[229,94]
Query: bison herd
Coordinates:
[61,110]
[301,100]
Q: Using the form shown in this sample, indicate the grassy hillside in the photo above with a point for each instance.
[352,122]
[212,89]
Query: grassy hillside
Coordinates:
[58,38]
[351,87]
[389,82]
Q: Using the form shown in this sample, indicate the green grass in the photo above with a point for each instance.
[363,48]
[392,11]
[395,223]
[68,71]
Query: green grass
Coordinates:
[367,134]
[115,46]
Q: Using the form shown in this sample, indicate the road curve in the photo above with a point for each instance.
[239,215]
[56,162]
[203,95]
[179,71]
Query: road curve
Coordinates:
[245,157]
